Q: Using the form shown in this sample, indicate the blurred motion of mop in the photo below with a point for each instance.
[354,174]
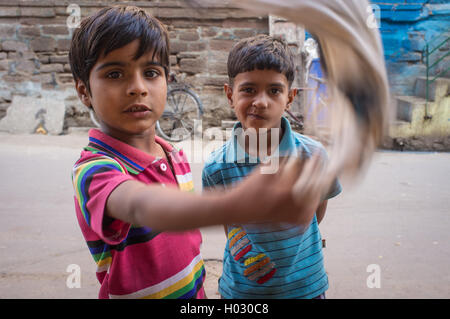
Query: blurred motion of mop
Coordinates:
[352,58]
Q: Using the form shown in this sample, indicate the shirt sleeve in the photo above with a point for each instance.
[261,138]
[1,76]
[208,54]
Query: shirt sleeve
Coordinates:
[315,146]
[207,183]
[94,180]
[335,188]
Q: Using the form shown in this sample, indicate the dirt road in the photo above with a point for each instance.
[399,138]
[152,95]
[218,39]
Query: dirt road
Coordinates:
[390,233]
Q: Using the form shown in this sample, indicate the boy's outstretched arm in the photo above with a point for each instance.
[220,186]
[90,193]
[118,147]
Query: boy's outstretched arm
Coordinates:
[163,208]
[260,197]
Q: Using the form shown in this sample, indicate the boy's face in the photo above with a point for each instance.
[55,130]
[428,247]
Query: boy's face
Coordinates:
[259,98]
[128,96]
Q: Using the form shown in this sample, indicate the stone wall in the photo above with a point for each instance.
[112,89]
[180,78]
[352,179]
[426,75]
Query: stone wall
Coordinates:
[35,39]
[295,37]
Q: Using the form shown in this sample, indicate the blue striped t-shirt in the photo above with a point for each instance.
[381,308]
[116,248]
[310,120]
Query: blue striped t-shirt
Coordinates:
[268,260]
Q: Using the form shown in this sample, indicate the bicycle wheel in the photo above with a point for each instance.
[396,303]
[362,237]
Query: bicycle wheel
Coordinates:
[178,121]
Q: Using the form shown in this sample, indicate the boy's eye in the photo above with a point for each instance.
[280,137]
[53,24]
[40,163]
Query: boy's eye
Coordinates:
[114,75]
[151,73]
[247,90]
[275,91]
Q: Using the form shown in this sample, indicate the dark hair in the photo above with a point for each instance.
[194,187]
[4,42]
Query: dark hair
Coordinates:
[261,52]
[112,28]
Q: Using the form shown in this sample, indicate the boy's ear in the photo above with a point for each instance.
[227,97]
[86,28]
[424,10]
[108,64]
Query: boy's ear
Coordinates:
[291,96]
[229,93]
[83,93]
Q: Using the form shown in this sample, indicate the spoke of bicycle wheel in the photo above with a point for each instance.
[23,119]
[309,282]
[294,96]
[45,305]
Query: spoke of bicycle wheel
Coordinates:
[184,102]
[174,103]
[187,125]
[168,114]
[179,106]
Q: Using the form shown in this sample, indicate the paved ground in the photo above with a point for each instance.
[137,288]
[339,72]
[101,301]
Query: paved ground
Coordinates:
[396,219]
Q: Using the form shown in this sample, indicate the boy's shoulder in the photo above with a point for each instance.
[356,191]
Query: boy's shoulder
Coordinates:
[306,143]
[91,160]
[216,159]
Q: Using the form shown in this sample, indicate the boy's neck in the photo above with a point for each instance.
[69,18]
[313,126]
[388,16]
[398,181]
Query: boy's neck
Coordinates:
[144,142]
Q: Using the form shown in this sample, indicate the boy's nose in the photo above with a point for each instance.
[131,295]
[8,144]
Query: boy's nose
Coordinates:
[260,101]
[137,87]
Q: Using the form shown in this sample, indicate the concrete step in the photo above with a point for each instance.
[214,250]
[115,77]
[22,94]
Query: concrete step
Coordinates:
[399,123]
[438,89]
[406,105]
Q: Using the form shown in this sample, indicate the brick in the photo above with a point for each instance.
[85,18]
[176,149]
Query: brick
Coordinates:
[173,35]
[47,68]
[188,55]
[26,66]
[43,44]
[176,46]
[63,44]
[209,32]
[192,66]
[45,78]
[215,80]
[189,35]
[64,78]
[9,12]
[24,55]
[179,23]
[55,30]
[3,55]
[262,24]
[196,46]
[218,67]
[28,55]
[176,13]
[221,45]
[59,58]
[217,62]
[30,31]
[218,56]
[33,21]
[4,65]
[14,78]
[244,33]
[173,59]
[7,31]
[46,12]
[43,58]
[225,35]
[13,45]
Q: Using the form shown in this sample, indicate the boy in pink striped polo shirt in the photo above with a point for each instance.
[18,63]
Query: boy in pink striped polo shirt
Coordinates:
[139,227]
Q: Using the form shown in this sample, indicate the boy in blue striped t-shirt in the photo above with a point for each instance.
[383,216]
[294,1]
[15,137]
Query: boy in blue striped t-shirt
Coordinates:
[266,260]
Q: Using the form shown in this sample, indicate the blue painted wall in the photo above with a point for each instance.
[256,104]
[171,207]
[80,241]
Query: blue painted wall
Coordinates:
[406,27]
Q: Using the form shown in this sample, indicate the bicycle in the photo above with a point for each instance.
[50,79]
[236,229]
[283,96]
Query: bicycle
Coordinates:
[182,110]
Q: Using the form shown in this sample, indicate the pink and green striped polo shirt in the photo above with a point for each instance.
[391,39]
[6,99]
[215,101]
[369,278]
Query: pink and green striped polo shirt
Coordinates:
[134,261]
